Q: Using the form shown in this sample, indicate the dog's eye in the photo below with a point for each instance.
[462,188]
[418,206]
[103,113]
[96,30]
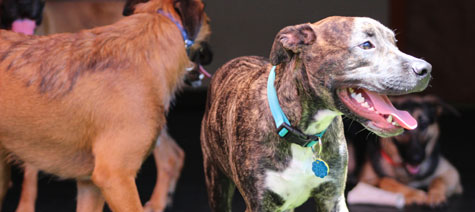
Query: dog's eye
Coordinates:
[366,45]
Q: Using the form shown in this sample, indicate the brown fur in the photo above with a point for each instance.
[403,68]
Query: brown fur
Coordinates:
[62,17]
[90,105]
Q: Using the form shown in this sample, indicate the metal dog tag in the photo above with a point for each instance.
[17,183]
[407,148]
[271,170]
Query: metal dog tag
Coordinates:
[320,168]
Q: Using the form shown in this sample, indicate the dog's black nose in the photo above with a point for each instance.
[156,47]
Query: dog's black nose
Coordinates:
[421,68]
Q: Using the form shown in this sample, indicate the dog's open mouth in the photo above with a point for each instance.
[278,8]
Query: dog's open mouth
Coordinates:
[383,117]
[413,170]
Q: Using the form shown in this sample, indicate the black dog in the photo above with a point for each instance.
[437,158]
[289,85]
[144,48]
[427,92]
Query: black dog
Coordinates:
[21,15]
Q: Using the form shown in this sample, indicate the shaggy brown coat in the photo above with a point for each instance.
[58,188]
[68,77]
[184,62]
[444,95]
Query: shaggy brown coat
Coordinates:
[90,105]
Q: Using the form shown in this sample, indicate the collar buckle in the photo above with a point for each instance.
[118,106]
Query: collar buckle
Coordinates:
[295,136]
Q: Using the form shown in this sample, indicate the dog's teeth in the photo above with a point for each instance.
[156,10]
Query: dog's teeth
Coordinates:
[389,119]
[351,90]
[395,124]
[365,104]
[359,98]
[371,109]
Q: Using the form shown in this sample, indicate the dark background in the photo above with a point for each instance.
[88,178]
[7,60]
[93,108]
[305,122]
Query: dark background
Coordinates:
[439,31]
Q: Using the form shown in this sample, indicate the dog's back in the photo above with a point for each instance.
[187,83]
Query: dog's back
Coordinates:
[241,73]
[54,74]
[236,72]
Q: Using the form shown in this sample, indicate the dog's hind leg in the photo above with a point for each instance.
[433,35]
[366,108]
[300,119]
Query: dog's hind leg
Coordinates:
[169,159]
[118,156]
[29,189]
[4,177]
[89,197]
[220,188]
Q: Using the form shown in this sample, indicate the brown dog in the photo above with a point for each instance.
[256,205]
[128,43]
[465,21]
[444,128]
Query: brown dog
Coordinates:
[407,162]
[62,17]
[90,105]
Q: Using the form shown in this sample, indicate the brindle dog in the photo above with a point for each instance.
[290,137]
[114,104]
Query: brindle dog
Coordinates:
[340,65]
[413,160]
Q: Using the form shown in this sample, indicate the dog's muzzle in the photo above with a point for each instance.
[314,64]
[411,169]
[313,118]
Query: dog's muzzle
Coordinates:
[422,70]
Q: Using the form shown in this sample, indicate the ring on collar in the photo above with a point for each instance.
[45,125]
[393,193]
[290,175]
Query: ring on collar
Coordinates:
[319,143]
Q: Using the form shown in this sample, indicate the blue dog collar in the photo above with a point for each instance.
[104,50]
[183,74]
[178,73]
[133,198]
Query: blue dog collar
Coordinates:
[319,167]
[188,42]
[284,129]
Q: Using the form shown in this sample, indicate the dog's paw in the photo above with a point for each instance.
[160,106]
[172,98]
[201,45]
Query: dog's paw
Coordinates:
[149,207]
[416,196]
[436,198]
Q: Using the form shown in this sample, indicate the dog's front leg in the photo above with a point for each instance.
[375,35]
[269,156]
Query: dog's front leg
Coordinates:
[437,191]
[446,183]
[118,156]
[337,204]
[411,195]
[4,177]
[29,189]
[89,197]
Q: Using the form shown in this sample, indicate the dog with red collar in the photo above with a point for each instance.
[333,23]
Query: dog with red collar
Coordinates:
[411,161]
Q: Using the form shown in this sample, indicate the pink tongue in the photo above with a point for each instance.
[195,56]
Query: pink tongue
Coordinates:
[383,105]
[25,26]
[204,72]
[413,169]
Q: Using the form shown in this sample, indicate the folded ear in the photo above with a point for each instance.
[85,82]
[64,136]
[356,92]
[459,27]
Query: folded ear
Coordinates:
[130,6]
[440,107]
[191,14]
[290,41]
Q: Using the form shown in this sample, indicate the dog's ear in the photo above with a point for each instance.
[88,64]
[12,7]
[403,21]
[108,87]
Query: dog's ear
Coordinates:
[439,106]
[129,6]
[289,41]
[191,14]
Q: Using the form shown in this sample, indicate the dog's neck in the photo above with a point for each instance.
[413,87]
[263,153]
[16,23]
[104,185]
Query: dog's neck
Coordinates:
[304,110]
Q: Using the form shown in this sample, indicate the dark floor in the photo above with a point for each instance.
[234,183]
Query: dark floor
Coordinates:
[184,121]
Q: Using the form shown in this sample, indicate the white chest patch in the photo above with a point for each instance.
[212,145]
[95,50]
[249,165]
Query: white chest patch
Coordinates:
[321,121]
[297,181]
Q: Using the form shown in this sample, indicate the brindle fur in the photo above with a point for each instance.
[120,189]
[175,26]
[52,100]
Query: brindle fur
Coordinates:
[419,147]
[238,134]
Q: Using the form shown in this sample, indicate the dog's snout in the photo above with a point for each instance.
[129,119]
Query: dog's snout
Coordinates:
[416,158]
[421,68]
